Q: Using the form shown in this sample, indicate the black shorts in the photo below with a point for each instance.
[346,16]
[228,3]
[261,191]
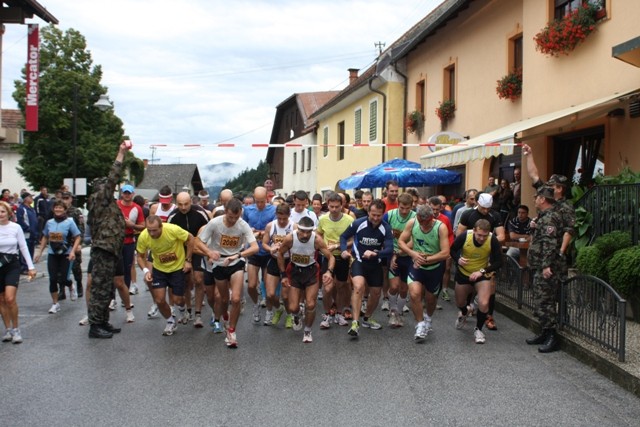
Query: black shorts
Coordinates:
[403,264]
[259,260]
[10,271]
[302,277]
[430,279]
[173,280]
[272,266]
[221,273]
[197,262]
[340,269]
[462,279]
[372,272]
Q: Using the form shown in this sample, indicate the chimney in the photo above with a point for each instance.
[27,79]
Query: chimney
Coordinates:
[353,75]
[146,163]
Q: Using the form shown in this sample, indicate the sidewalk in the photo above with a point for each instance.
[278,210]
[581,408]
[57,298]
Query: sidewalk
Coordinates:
[625,374]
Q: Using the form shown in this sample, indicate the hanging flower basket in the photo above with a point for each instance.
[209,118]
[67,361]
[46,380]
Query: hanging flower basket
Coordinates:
[415,122]
[510,86]
[446,110]
[562,36]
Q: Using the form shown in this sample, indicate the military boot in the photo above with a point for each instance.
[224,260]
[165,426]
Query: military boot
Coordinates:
[551,343]
[538,339]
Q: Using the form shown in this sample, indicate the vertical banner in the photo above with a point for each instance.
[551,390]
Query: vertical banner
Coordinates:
[33,76]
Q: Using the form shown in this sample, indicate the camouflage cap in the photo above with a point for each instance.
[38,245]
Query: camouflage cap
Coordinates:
[546,192]
[556,179]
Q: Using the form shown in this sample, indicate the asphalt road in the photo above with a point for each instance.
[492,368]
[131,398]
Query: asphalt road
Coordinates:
[60,377]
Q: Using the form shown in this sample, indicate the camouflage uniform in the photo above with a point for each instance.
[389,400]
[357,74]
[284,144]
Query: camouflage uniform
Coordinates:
[568,217]
[78,218]
[107,234]
[544,252]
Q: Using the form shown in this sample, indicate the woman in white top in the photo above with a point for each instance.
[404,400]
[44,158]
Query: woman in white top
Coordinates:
[11,241]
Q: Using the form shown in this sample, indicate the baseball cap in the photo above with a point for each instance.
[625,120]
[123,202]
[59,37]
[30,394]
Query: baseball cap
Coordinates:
[25,195]
[556,179]
[67,194]
[128,188]
[546,192]
[485,200]
[165,198]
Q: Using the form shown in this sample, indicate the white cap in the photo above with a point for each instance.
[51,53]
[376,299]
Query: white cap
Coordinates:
[485,200]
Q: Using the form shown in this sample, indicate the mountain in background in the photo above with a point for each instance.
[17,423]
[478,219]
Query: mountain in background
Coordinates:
[218,174]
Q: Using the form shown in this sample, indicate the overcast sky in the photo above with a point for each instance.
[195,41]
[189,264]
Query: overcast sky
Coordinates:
[210,71]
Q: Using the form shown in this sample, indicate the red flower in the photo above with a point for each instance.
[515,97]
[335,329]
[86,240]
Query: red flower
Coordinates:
[562,36]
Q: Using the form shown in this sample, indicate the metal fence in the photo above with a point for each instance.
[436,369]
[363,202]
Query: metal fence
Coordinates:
[615,207]
[588,307]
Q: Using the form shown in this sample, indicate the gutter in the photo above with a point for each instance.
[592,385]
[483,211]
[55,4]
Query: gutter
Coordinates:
[384,116]
[404,108]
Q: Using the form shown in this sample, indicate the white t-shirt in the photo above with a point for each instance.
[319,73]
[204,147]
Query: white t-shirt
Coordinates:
[12,240]
[226,240]
[297,216]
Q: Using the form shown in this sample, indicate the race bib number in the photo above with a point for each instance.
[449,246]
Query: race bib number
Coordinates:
[229,242]
[278,238]
[300,259]
[56,236]
[396,233]
[167,258]
[332,242]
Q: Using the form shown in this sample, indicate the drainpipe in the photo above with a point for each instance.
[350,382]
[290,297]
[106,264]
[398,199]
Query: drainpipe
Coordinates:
[404,108]
[384,117]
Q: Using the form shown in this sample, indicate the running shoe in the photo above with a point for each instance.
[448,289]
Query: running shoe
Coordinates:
[256,313]
[130,317]
[113,305]
[400,319]
[421,332]
[471,309]
[326,322]
[339,319]
[268,318]
[243,302]
[54,308]
[84,321]
[461,320]
[217,328]
[306,338]
[263,303]
[133,289]
[288,321]
[427,324]
[393,319]
[212,321]
[8,335]
[197,323]
[438,307]
[385,304]
[153,311]
[320,294]
[347,314]
[186,318]
[73,292]
[491,323]
[231,340]
[169,329]
[277,315]
[363,307]
[354,329]
[17,338]
[479,336]
[445,295]
[297,323]
[372,324]
[406,309]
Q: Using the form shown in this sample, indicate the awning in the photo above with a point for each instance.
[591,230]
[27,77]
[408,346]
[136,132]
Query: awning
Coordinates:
[502,140]
[628,51]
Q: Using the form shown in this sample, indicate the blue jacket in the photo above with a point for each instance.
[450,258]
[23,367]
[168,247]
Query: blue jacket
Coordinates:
[28,221]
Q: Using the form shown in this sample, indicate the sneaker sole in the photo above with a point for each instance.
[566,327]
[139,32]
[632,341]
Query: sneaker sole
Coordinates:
[353,333]
[198,325]
[419,339]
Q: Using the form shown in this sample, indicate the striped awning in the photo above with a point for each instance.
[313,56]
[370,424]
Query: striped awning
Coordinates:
[502,140]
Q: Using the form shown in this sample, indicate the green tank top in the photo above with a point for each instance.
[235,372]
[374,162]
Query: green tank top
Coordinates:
[397,224]
[426,243]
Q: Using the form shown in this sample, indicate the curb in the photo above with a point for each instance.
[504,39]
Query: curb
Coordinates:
[572,347]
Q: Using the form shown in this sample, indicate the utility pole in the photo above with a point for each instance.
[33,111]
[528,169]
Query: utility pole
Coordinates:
[379,45]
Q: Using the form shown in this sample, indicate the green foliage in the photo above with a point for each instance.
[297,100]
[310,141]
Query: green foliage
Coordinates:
[626,176]
[583,228]
[590,261]
[624,271]
[609,243]
[249,179]
[69,84]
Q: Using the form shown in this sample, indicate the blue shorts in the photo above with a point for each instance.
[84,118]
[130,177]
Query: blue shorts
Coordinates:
[173,280]
[430,279]
[403,264]
[372,272]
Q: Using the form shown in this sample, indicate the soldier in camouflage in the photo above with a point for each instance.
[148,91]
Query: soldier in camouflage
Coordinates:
[547,268]
[107,235]
[78,218]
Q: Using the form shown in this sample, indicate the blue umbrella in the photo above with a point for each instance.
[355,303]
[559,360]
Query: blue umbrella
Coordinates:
[405,172]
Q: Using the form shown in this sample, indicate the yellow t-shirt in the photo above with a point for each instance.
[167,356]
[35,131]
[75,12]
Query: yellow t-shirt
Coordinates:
[167,250]
[331,230]
[477,257]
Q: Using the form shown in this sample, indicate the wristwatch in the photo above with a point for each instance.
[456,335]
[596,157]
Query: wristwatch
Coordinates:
[483,271]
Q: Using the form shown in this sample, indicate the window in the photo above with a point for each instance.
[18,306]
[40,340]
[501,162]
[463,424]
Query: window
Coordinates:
[357,139]
[325,141]
[295,159]
[450,83]
[515,53]
[373,120]
[563,7]
[309,158]
[341,141]
[421,95]
[302,160]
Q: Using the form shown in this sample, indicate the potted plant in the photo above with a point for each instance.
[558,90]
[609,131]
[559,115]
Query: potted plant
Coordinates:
[624,274]
[563,35]
[415,122]
[446,110]
[510,86]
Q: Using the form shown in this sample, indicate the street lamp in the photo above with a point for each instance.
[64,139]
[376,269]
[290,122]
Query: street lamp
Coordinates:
[102,104]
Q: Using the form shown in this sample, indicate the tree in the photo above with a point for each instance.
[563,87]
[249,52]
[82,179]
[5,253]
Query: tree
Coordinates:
[249,179]
[66,66]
